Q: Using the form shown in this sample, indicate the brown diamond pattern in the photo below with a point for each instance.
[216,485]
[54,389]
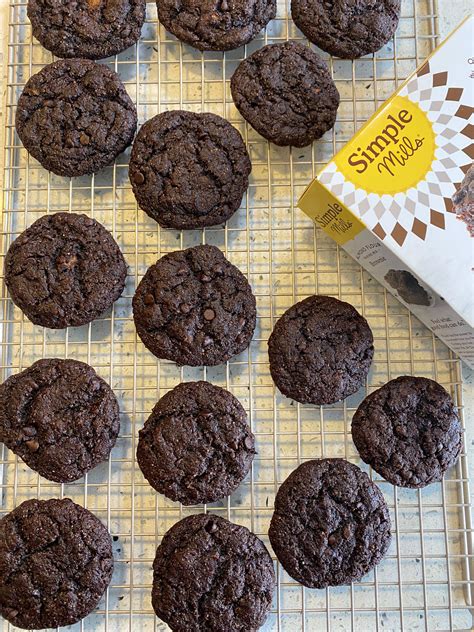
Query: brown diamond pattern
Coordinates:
[419,228]
[437,219]
[399,234]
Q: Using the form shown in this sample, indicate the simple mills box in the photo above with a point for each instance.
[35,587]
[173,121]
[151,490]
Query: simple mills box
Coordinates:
[400,196]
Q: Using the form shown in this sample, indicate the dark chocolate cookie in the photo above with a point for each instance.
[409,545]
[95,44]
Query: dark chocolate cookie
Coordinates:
[196,447]
[65,270]
[215,24]
[463,201]
[194,307]
[320,351]
[408,431]
[75,117]
[86,28]
[285,91]
[55,563]
[408,287]
[347,28]
[331,524]
[210,574]
[189,170]
[60,417]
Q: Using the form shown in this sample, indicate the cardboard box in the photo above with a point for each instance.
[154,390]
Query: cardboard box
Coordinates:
[400,199]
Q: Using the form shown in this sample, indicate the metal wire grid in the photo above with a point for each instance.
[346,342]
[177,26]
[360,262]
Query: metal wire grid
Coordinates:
[426,581]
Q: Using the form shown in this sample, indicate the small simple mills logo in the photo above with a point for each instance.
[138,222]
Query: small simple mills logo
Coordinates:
[393,153]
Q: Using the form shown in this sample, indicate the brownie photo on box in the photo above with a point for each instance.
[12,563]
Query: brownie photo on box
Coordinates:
[463,201]
[408,288]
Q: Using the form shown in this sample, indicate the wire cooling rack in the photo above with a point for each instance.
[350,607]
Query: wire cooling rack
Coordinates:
[426,580]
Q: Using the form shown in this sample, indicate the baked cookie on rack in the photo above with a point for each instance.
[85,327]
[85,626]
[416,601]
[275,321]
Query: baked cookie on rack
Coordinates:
[195,308]
[93,29]
[331,524]
[320,351]
[285,91]
[408,431]
[216,24]
[189,170]
[211,574]
[346,28]
[60,417]
[75,117]
[56,562]
[65,270]
[196,447]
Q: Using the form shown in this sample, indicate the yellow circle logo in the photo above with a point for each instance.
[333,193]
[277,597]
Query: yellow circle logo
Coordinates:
[391,154]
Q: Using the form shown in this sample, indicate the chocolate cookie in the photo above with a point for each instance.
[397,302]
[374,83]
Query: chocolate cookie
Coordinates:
[194,307]
[408,431]
[346,28]
[320,351]
[60,417]
[463,201]
[86,28]
[196,447]
[55,563]
[65,270]
[216,24]
[75,117]
[210,574]
[189,170]
[285,91]
[331,524]
[408,287]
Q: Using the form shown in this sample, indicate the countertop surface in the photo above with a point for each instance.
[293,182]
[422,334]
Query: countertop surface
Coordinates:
[450,13]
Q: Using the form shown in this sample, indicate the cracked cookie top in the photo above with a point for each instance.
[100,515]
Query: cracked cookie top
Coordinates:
[86,28]
[320,350]
[60,417]
[194,307]
[408,431]
[55,563]
[196,447]
[285,91]
[65,270]
[75,117]
[347,28]
[189,170]
[215,24]
[331,524]
[210,574]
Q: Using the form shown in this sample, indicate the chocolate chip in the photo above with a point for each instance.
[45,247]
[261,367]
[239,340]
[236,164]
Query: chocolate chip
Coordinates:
[185,308]
[207,341]
[69,142]
[209,314]
[139,178]
[332,540]
[84,139]
[149,299]
[224,5]
[240,338]
[32,445]
[205,278]
[211,527]
[29,431]
[248,443]
[401,431]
